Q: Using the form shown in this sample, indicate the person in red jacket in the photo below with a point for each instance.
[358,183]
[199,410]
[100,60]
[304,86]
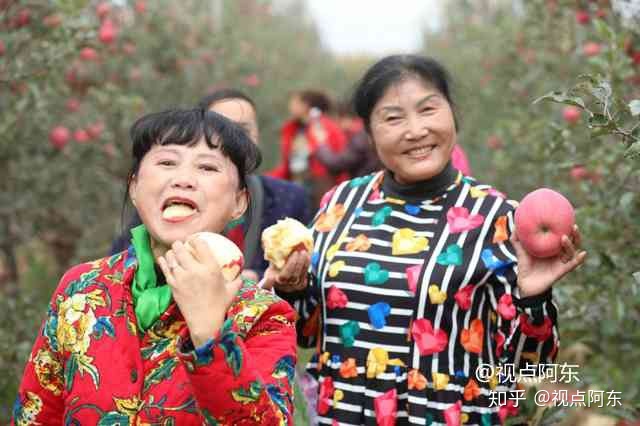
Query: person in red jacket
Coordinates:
[156,334]
[308,128]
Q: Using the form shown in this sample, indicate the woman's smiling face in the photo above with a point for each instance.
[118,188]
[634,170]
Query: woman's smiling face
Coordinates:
[413,130]
[183,189]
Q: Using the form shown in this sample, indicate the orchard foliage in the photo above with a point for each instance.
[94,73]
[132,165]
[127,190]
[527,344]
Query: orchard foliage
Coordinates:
[74,76]
[549,93]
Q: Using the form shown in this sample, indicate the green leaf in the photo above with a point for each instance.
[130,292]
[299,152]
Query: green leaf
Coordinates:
[599,121]
[604,30]
[633,151]
[70,371]
[561,98]
[626,201]
[634,107]
[602,91]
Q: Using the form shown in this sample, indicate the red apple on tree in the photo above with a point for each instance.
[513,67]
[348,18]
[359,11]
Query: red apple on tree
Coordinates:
[494,142]
[571,114]
[59,137]
[108,32]
[23,18]
[52,21]
[88,54]
[579,172]
[72,105]
[591,48]
[140,6]
[81,136]
[582,17]
[2,48]
[252,80]
[128,48]
[95,129]
[103,9]
[541,219]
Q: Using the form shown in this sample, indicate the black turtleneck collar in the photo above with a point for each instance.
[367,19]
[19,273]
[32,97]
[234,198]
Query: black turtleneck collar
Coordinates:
[422,190]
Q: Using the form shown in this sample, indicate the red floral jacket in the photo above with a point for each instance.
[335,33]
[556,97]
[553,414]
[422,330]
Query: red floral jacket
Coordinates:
[90,365]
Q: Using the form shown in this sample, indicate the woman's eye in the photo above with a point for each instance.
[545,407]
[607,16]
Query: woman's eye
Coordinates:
[392,118]
[208,168]
[166,163]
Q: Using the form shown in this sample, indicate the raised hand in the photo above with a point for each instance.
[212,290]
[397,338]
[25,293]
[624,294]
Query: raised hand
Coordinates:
[536,275]
[198,287]
[293,275]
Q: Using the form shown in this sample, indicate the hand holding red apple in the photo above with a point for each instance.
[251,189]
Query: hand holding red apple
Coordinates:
[546,241]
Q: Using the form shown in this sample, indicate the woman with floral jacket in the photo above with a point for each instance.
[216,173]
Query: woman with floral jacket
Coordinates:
[154,335]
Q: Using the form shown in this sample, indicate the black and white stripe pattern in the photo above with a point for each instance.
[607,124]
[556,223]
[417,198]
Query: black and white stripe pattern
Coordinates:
[415,406]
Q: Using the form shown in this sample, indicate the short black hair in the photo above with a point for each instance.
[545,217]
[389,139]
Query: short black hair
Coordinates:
[393,69]
[315,99]
[222,95]
[188,127]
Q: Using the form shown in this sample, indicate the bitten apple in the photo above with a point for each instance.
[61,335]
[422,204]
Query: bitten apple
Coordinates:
[283,238]
[541,219]
[226,253]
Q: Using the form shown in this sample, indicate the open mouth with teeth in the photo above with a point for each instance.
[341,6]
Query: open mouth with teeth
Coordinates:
[420,152]
[178,209]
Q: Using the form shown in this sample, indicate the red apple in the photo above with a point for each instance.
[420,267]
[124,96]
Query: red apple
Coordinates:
[252,80]
[23,18]
[582,17]
[108,31]
[110,150]
[591,48]
[52,21]
[601,13]
[95,130]
[140,6]
[88,54]
[494,142]
[635,57]
[571,114]
[81,136]
[579,172]
[128,48]
[2,48]
[59,137]
[541,219]
[72,105]
[103,9]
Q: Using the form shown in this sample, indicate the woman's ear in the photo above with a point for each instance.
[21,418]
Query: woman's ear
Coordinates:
[132,190]
[242,202]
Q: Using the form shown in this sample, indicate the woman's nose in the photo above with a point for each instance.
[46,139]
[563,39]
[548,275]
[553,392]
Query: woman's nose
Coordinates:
[183,179]
[416,128]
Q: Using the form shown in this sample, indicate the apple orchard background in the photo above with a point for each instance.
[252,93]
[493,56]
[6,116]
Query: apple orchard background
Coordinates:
[75,74]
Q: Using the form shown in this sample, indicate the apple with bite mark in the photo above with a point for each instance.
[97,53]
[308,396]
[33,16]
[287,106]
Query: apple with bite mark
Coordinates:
[226,253]
[285,237]
[541,219]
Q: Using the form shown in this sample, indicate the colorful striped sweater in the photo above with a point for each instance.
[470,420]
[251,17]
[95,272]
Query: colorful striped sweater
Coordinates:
[412,288]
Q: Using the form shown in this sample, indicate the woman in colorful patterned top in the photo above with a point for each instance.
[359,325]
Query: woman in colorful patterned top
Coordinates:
[417,277]
[154,335]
